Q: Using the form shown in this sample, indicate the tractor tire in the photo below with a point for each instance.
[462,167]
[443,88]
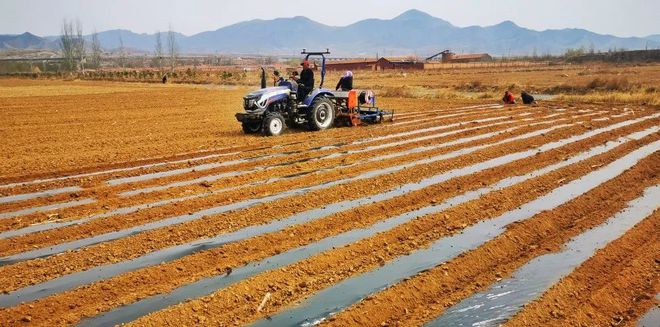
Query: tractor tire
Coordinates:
[251,127]
[321,114]
[274,124]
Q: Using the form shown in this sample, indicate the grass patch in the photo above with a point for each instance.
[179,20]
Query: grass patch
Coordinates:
[640,97]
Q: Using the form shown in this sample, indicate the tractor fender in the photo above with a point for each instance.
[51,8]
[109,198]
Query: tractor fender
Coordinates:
[315,94]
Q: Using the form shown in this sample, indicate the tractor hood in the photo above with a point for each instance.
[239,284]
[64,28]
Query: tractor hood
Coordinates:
[260,99]
[274,90]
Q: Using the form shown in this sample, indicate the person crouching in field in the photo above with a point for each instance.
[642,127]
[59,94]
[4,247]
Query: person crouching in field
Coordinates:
[508,98]
[527,98]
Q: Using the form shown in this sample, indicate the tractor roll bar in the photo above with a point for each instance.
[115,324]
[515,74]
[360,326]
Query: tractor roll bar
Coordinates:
[322,55]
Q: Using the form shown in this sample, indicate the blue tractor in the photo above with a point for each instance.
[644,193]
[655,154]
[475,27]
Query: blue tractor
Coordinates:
[271,110]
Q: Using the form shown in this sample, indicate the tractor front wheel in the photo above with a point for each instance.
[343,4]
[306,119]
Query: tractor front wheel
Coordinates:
[321,114]
[274,124]
[251,126]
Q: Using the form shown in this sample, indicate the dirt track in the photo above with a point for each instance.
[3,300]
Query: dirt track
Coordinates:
[317,209]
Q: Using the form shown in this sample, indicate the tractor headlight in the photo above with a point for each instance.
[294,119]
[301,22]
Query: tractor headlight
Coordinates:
[249,103]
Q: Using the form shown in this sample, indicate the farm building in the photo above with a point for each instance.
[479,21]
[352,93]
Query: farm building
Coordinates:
[352,64]
[373,64]
[478,57]
[407,63]
[450,57]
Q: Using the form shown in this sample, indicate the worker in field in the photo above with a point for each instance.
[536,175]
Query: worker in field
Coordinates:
[527,98]
[280,81]
[293,79]
[508,98]
[277,78]
[345,82]
[306,81]
[294,76]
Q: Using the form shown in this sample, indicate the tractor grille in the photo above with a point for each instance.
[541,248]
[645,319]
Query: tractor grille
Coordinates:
[249,103]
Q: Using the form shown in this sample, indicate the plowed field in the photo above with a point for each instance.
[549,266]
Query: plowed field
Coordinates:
[146,205]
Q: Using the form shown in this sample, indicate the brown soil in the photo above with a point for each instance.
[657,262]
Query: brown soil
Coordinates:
[133,246]
[118,125]
[114,223]
[237,304]
[427,295]
[95,186]
[615,287]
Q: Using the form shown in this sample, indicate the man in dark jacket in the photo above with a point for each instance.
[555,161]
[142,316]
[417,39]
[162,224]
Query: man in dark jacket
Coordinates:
[346,82]
[306,81]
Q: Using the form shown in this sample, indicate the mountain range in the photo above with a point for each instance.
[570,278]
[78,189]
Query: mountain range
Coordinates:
[413,32]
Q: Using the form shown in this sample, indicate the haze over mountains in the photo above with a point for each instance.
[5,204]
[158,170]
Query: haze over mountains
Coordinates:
[413,32]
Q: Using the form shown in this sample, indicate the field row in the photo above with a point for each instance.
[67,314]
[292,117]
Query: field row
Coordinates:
[434,219]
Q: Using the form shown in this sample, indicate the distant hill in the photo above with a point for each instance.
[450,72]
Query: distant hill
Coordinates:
[24,41]
[655,37]
[413,32]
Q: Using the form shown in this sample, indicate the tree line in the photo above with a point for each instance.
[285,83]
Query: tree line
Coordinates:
[75,50]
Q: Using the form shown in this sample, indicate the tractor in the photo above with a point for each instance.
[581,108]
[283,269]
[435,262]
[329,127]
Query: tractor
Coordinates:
[271,110]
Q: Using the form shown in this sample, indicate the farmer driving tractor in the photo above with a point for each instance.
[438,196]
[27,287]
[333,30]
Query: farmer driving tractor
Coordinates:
[270,110]
[306,81]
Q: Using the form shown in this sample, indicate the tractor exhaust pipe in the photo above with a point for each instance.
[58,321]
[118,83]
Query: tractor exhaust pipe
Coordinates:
[263,78]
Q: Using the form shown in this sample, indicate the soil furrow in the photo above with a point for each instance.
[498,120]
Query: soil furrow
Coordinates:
[285,237]
[502,300]
[258,178]
[616,286]
[428,294]
[208,285]
[184,158]
[326,180]
[312,167]
[66,263]
[224,166]
[352,290]
[293,283]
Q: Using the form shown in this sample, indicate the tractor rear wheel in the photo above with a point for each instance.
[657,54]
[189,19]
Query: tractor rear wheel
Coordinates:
[251,126]
[321,114]
[274,124]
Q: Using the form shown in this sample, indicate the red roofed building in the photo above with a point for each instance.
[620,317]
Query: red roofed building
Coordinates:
[402,63]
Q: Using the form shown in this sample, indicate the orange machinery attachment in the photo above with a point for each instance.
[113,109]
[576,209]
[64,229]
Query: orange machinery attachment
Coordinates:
[352,99]
[352,105]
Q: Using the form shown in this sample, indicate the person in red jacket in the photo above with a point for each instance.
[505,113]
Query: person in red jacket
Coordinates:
[508,98]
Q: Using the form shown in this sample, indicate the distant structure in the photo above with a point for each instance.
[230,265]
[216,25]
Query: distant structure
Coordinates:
[389,63]
[404,63]
[449,57]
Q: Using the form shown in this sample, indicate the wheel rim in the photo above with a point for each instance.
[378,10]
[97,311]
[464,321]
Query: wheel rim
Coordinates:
[323,115]
[275,126]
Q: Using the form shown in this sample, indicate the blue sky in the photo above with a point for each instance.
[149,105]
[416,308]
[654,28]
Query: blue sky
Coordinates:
[44,17]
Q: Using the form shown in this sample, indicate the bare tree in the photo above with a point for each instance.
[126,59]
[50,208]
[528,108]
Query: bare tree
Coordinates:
[158,51]
[122,52]
[96,51]
[172,48]
[80,45]
[72,44]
